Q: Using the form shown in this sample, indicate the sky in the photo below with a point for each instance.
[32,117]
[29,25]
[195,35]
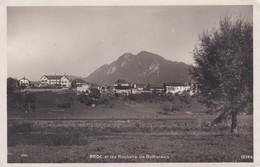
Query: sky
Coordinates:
[78,40]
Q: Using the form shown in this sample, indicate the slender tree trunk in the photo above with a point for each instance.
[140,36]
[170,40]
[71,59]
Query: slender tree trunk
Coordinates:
[234,122]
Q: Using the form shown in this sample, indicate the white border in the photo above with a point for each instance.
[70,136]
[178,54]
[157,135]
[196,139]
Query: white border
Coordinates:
[3,70]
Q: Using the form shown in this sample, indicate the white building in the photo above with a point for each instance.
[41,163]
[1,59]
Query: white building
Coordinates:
[84,88]
[122,86]
[176,88]
[78,82]
[65,81]
[57,80]
[121,83]
[123,91]
[24,82]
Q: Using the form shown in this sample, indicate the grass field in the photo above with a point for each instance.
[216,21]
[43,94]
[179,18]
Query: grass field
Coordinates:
[47,107]
[172,140]
[124,131]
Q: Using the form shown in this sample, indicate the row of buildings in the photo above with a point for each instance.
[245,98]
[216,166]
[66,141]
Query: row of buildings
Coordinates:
[47,80]
[123,87]
[119,86]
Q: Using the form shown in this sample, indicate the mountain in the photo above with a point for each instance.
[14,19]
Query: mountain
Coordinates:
[144,68]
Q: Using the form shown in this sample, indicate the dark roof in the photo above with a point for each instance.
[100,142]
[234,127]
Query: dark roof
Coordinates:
[122,87]
[93,84]
[140,85]
[121,81]
[176,84]
[24,78]
[70,77]
[80,80]
[57,77]
[156,87]
[53,76]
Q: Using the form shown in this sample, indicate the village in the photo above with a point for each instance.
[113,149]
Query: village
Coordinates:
[65,83]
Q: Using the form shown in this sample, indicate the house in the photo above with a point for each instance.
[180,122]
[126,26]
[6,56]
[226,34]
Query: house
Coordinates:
[156,89]
[51,80]
[96,86]
[193,88]
[84,88]
[110,89]
[65,81]
[121,83]
[55,80]
[176,87]
[24,82]
[78,82]
[140,86]
[122,86]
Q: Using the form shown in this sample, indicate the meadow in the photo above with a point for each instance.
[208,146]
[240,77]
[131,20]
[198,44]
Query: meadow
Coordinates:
[124,130]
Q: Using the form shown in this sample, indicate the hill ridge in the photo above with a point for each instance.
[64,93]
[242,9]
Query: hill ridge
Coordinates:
[145,67]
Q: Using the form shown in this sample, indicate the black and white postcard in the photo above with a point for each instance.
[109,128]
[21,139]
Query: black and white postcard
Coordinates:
[142,84]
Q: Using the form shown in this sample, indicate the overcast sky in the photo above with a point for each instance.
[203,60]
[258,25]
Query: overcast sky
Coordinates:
[78,40]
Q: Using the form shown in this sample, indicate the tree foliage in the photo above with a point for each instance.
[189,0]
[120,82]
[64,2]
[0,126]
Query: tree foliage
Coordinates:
[224,67]
[29,102]
[94,93]
[74,84]
[12,85]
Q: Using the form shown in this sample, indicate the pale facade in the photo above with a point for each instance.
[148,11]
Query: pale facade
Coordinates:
[58,80]
[176,88]
[121,83]
[24,82]
[83,88]
[124,91]
[65,81]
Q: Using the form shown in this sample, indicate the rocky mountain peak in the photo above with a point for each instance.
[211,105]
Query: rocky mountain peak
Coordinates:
[143,68]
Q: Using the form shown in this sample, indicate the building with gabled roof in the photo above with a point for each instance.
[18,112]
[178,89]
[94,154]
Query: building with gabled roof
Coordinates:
[24,82]
[56,80]
[84,88]
[176,87]
[121,82]
[122,86]
[78,82]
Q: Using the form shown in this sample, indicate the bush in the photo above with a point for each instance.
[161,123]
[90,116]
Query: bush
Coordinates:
[185,98]
[171,97]
[94,97]
[141,97]
[65,105]
[29,102]
[81,98]
[12,85]
[168,97]
[94,93]
[29,108]
[170,108]
[134,97]
[88,101]
[166,108]
[103,100]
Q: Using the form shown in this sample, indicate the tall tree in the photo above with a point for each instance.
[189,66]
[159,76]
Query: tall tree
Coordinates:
[29,102]
[12,85]
[224,68]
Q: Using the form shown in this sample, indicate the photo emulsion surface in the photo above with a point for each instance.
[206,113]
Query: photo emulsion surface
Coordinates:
[103,84]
